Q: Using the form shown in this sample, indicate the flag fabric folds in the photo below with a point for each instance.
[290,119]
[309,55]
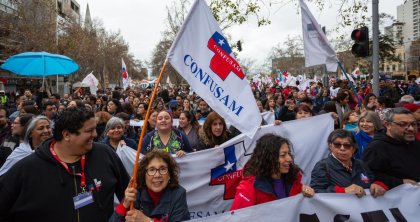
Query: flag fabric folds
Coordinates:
[356,73]
[124,75]
[316,46]
[92,82]
[204,58]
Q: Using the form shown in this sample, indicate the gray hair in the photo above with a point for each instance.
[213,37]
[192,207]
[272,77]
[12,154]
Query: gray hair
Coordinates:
[373,117]
[407,98]
[389,115]
[31,126]
[112,123]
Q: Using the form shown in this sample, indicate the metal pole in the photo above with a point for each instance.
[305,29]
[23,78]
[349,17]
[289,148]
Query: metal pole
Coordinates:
[375,53]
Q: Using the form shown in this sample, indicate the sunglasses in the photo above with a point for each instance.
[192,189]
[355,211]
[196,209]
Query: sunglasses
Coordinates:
[346,146]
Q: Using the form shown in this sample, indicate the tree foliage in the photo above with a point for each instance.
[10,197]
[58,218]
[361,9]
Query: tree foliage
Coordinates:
[34,27]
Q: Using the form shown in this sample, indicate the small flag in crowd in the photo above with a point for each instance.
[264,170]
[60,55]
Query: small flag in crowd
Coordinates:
[124,75]
[356,73]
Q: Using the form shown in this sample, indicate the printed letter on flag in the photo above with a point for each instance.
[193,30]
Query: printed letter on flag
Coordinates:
[202,55]
[124,75]
[317,48]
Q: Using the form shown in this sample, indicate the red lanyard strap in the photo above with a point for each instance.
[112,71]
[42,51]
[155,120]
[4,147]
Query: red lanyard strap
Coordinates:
[66,167]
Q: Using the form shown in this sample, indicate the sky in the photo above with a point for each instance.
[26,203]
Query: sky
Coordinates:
[141,23]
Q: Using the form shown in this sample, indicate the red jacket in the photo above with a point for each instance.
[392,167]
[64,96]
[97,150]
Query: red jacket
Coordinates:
[252,191]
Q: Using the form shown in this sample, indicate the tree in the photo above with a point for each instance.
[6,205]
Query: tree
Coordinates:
[34,26]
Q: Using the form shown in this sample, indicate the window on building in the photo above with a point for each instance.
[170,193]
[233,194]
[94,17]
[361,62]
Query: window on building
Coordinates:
[394,67]
[387,68]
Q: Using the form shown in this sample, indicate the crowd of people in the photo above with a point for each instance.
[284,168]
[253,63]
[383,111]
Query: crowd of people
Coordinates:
[59,152]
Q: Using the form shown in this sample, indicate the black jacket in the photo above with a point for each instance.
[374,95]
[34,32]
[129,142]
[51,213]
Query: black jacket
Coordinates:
[172,206]
[38,188]
[329,173]
[391,160]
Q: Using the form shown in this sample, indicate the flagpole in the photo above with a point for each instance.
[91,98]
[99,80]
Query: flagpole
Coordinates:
[143,130]
[351,84]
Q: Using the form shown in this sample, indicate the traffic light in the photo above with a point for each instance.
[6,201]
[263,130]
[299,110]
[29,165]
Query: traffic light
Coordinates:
[360,47]
[239,45]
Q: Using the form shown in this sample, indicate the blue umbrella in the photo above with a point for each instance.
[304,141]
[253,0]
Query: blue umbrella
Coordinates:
[40,64]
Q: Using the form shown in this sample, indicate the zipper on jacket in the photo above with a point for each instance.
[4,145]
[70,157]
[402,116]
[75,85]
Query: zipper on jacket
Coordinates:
[75,190]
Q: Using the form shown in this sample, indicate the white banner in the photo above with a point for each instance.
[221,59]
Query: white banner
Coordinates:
[211,176]
[400,204]
[203,57]
[316,46]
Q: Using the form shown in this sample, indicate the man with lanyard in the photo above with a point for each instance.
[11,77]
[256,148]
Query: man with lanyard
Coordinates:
[68,178]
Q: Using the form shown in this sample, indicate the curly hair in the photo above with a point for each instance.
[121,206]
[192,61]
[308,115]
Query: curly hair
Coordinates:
[72,120]
[173,168]
[264,161]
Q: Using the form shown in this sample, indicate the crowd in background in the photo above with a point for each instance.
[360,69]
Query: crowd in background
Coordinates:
[361,119]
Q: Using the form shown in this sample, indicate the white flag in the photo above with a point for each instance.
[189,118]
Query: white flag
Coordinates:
[317,48]
[92,82]
[202,55]
[124,75]
[356,72]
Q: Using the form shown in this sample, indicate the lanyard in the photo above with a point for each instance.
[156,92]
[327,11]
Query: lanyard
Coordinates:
[82,162]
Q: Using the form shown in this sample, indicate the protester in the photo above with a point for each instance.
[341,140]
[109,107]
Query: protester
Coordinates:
[270,174]
[159,197]
[187,105]
[36,131]
[190,126]
[102,118]
[287,112]
[140,112]
[4,125]
[18,132]
[213,133]
[370,102]
[394,153]
[342,105]
[114,134]
[151,123]
[68,178]
[303,111]
[415,109]
[368,124]
[113,107]
[166,138]
[341,173]
[350,120]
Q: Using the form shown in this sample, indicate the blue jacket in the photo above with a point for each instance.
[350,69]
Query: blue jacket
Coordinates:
[172,206]
[362,139]
[329,174]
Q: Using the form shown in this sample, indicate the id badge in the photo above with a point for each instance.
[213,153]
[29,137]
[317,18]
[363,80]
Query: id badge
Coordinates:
[82,200]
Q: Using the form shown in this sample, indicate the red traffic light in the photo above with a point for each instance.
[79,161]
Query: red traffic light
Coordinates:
[360,47]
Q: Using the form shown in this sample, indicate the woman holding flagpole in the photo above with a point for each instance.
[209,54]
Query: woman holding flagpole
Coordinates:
[159,196]
[270,174]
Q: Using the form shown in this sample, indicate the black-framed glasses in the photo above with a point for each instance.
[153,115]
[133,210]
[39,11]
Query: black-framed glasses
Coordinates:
[346,146]
[405,124]
[152,171]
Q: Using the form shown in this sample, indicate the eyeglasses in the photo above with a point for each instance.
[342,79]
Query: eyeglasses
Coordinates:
[346,146]
[406,125]
[152,171]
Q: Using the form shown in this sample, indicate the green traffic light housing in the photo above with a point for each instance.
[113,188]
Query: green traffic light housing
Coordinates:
[360,47]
